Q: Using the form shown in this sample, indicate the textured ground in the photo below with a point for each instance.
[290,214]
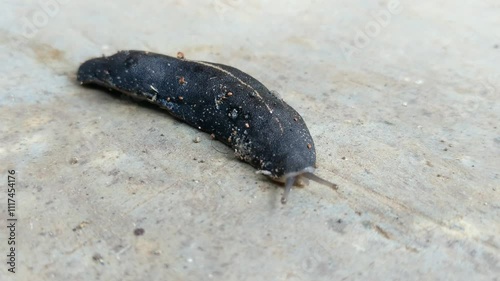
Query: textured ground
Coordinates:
[402,99]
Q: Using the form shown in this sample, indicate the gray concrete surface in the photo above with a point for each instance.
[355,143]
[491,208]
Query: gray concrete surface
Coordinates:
[402,101]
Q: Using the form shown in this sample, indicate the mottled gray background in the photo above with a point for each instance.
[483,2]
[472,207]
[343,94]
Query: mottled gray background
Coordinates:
[402,99]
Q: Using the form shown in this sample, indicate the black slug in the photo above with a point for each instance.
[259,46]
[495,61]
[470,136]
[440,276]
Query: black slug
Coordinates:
[221,100]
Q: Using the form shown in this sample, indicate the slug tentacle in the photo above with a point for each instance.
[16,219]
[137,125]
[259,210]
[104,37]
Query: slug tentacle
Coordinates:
[298,178]
[319,180]
[288,186]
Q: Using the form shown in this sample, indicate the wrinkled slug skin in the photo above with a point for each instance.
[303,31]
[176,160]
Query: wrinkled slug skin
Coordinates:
[239,110]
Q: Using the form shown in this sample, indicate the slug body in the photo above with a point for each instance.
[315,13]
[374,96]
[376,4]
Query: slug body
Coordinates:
[221,100]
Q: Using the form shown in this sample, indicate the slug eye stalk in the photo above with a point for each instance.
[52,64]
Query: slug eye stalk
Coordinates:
[291,180]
